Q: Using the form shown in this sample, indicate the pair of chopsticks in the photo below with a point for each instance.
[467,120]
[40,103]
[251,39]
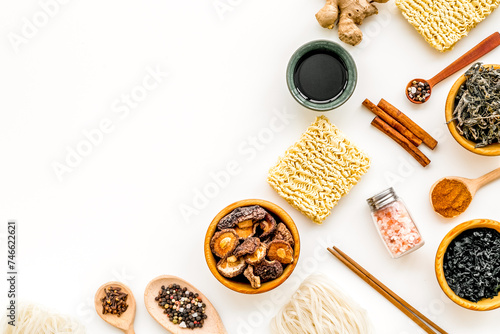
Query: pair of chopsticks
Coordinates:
[397,301]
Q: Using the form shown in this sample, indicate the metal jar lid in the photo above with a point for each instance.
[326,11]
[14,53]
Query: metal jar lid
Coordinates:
[382,199]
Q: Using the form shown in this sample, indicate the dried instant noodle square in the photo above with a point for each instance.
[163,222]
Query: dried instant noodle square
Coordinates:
[443,22]
[318,170]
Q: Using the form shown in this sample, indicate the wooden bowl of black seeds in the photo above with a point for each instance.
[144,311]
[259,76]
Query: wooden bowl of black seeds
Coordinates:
[468,264]
[278,243]
[474,119]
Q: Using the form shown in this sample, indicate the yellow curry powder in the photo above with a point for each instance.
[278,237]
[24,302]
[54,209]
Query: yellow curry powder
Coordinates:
[450,198]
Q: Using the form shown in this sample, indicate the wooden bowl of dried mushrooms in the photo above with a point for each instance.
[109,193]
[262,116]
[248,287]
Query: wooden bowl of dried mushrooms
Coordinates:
[473,118]
[252,246]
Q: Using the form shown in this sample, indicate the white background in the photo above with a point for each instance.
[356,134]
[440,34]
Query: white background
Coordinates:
[117,214]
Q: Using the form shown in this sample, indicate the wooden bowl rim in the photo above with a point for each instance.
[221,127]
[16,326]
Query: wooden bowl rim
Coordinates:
[245,287]
[490,150]
[484,304]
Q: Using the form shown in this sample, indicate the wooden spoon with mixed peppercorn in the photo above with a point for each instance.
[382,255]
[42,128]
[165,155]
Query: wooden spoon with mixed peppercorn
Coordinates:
[184,300]
[419,90]
[115,304]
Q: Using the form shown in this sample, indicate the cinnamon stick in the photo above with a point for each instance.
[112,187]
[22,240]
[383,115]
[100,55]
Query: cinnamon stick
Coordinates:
[392,122]
[401,140]
[410,125]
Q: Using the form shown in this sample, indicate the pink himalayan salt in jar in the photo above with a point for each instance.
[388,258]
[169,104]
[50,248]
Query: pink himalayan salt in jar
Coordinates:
[394,223]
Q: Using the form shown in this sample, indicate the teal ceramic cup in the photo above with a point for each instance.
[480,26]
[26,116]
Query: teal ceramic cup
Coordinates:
[322,46]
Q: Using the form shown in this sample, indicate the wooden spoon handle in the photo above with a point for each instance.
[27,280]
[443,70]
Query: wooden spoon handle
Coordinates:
[475,53]
[130,330]
[487,178]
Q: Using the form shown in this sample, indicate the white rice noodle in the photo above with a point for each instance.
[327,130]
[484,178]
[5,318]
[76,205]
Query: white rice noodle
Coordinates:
[320,307]
[36,319]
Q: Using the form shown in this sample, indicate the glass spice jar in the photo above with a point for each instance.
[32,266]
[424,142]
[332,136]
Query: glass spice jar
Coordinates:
[394,223]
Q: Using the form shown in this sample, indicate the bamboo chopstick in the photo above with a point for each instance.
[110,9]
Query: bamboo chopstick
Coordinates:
[392,297]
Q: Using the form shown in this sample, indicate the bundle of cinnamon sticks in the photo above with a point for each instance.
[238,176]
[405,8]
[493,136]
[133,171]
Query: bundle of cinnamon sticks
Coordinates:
[401,129]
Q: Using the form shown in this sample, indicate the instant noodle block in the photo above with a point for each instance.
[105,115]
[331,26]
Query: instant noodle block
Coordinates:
[318,170]
[443,23]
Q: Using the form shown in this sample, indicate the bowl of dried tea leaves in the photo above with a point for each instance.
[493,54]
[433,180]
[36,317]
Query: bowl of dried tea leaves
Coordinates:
[473,109]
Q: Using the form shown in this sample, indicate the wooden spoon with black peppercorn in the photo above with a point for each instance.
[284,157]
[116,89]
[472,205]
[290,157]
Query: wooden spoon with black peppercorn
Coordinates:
[211,325]
[113,294]
[419,90]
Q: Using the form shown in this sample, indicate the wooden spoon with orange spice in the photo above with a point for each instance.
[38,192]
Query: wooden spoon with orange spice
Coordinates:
[450,196]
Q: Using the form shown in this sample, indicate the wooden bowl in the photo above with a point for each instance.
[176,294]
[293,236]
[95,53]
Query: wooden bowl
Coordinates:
[482,305]
[490,150]
[244,287]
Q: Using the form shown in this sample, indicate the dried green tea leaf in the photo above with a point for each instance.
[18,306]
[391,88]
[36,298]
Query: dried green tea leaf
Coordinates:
[477,106]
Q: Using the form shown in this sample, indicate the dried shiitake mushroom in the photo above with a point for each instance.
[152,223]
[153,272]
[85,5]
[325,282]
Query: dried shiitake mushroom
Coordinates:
[266,241]
[268,270]
[224,242]
[245,224]
[283,233]
[281,251]
[251,243]
[268,225]
[231,266]
[249,246]
[239,215]
[246,232]
[254,280]
[257,256]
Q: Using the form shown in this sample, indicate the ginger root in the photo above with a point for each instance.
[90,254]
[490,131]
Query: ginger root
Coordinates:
[352,14]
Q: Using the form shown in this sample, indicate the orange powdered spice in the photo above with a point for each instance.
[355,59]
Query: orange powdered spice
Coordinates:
[450,198]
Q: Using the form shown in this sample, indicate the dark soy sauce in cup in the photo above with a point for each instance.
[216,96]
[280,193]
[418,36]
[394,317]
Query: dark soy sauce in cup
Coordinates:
[320,76]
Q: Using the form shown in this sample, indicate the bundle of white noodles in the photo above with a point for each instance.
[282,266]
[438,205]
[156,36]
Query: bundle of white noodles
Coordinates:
[36,319]
[320,307]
